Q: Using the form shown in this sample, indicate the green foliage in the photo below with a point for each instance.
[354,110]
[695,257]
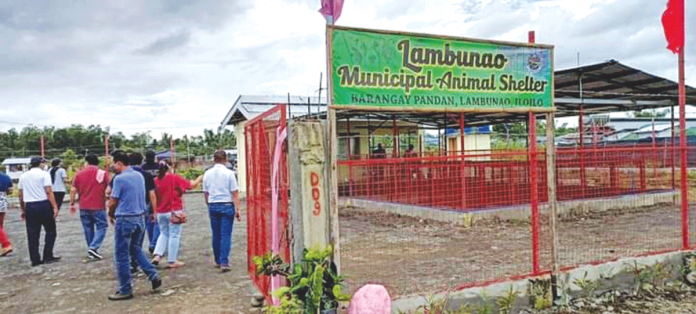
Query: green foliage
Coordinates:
[689,265]
[314,283]
[287,306]
[83,140]
[646,278]
[438,305]
[540,294]
[484,307]
[191,173]
[587,286]
[506,302]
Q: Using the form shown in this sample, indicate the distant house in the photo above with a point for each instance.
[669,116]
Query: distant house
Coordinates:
[15,167]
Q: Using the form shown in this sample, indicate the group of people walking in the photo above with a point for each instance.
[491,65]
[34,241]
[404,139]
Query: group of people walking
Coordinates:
[138,200]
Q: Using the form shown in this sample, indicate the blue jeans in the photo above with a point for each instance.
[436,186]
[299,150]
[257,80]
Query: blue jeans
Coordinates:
[169,238]
[221,222]
[128,239]
[153,231]
[91,219]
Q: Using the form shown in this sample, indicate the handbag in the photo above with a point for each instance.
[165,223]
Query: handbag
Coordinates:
[178,218]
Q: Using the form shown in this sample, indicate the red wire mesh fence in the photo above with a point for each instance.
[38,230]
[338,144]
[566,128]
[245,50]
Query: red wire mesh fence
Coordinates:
[613,202]
[260,137]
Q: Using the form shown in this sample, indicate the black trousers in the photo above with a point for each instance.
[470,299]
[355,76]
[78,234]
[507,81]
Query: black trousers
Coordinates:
[60,196]
[40,214]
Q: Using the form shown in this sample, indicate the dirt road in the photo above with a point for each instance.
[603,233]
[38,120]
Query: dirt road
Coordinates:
[72,286]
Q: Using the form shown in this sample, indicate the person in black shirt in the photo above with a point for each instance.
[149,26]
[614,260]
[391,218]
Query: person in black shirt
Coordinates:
[151,167]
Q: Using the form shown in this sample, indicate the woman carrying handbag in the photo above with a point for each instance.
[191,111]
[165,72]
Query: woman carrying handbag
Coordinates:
[170,214]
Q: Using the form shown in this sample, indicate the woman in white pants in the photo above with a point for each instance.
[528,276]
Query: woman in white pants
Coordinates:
[169,188]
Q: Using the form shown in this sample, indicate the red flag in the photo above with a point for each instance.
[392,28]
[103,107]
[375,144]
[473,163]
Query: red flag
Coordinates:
[331,8]
[673,23]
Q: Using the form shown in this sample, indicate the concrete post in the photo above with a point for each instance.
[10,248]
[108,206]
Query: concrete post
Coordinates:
[309,216]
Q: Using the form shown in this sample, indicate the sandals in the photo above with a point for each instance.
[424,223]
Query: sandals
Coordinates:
[176,264]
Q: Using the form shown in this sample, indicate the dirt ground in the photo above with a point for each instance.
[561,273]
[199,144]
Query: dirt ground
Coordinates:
[72,286]
[413,256]
[409,256]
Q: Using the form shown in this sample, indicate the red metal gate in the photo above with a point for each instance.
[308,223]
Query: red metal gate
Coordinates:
[260,135]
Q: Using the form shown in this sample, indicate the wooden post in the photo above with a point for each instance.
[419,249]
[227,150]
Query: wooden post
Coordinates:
[395,139]
[43,153]
[106,151]
[534,192]
[553,205]
[333,188]
[333,164]
[463,164]
[682,153]
[350,167]
[581,129]
[172,152]
[439,139]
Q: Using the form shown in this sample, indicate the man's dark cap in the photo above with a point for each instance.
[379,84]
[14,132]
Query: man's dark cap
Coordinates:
[36,161]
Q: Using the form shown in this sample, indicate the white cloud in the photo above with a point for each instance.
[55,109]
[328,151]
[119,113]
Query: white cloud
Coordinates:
[177,67]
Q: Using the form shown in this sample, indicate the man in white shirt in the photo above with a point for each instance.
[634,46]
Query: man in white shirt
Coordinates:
[38,209]
[222,197]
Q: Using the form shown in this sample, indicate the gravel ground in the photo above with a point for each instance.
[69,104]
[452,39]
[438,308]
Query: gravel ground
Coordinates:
[412,256]
[72,286]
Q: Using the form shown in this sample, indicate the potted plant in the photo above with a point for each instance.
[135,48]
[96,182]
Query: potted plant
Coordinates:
[315,286]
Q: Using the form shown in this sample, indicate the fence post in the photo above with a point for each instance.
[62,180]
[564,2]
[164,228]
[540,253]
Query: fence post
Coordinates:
[106,151]
[534,192]
[551,183]
[333,188]
[682,153]
[348,154]
[462,174]
[43,152]
[309,216]
[642,171]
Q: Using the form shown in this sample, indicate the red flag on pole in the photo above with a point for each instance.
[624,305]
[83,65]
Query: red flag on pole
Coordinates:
[673,23]
[331,8]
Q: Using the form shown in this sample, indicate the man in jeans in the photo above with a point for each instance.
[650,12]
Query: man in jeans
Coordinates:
[38,209]
[222,198]
[90,185]
[127,211]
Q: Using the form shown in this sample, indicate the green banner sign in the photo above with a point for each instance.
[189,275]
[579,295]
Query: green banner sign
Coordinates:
[412,71]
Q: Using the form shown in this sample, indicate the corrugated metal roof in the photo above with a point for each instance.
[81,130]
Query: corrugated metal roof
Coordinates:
[658,128]
[16,161]
[246,107]
[620,87]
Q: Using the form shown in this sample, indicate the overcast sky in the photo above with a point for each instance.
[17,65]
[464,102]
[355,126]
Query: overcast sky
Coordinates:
[177,66]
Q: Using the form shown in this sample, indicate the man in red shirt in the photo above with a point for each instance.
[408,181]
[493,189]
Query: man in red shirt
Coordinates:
[90,184]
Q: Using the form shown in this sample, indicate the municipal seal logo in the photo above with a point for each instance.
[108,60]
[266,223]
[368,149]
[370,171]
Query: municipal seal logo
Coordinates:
[534,63]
